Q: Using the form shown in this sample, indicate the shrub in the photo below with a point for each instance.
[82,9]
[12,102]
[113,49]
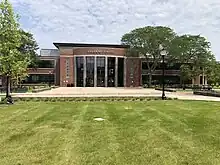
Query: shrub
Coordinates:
[41,89]
[207,93]
[85,99]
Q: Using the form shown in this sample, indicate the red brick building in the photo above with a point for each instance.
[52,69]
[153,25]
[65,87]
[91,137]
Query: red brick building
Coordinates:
[96,65]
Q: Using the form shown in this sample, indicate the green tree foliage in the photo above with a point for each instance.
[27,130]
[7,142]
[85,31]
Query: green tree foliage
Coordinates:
[194,54]
[28,50]
[213,73]
[13,62]
[145,42]
[29,47]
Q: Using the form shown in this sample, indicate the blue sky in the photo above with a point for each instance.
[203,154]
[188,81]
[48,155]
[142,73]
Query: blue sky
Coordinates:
[105,21]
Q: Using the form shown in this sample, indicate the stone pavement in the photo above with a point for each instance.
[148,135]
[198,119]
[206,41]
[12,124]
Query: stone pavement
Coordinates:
[113,92]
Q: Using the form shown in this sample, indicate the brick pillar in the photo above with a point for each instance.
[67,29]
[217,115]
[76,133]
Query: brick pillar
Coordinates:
[133,72]
[66,64]
[62,71]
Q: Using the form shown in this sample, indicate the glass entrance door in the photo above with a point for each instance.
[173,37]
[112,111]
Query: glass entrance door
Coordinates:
[79,71]
[106,72]
[100,71]
[90,71]
[111,71]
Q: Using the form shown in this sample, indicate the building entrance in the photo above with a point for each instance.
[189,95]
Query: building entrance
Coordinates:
[99,71]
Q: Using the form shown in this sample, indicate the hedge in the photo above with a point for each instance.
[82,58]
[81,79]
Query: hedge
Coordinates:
[43,89]
[86,99]
[207,93]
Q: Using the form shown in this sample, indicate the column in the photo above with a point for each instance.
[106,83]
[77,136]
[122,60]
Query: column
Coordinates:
[95,71]
[205,79]
[55,72]
[106,71]
[75,71]
[193,81]
[116,71]
[125,72]
[203,82]
[84,71]
[197,80]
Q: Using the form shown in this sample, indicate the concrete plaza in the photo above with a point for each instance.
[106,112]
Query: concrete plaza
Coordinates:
[113,92]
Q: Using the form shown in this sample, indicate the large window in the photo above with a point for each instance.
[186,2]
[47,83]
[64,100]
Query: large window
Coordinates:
[90,71]
[157,80]
[120,72]
[144,65]
[111,71]
[79,71]
[168,66]
[43,64]
[100,71]
[89,76]
[40,78]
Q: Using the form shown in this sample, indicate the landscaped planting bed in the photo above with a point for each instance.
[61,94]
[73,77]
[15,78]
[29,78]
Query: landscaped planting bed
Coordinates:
[207,93]
[80,99]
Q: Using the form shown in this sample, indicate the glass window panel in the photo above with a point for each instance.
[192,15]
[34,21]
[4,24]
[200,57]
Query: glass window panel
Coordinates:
[79,71]
[100,61]
[90,71]
[111,71]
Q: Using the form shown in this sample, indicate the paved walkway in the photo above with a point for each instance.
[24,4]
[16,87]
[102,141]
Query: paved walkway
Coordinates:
[114,92]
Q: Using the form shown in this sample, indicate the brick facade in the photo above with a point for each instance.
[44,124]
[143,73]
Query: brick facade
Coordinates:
[64,71]
[66,78]
[133,72]
[99,51]
[71,52]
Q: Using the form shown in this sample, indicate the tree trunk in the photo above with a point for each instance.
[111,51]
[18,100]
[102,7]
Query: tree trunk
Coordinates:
[150,80]
[8,86]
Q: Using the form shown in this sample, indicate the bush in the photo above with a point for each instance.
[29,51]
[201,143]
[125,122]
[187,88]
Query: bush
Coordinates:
[207,93]
[41,90]
[85,99]
[202,87]
[2,100]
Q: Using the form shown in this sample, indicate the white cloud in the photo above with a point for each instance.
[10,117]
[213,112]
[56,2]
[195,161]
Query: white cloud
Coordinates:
[101,21]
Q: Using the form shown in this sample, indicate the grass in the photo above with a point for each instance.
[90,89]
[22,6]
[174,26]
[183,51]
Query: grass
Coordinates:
[136,133]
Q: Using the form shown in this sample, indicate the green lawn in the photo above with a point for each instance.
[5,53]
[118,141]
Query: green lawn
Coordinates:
[154,133]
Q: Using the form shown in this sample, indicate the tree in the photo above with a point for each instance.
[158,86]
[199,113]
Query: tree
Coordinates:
[194,54]
[145,42]
[29,47]
[213,75]
[28,50]
[11,60]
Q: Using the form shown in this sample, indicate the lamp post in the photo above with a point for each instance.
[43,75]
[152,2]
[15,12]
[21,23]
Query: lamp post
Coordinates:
[163,53]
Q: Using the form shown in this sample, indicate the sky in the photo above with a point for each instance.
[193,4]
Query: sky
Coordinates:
[105,21]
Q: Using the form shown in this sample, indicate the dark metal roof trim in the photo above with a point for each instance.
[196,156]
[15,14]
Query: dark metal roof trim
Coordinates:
[89,45]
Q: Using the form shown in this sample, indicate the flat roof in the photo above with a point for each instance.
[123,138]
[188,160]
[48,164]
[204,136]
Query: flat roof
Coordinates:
[89,45]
